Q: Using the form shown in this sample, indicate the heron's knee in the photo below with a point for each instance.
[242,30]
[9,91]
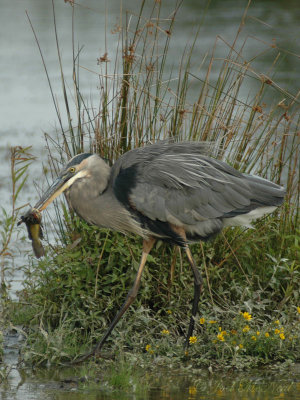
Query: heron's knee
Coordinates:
[197,277]
[132,294]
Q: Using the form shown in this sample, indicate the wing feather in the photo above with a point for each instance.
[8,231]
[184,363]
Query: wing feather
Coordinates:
[187,186]
[177,182]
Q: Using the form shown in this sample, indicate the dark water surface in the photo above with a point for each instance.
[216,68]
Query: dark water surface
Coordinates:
[27,111]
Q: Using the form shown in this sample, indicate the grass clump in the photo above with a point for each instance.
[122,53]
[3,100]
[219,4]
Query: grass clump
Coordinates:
[72,294]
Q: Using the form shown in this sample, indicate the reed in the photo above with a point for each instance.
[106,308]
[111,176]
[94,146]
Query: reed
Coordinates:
[20,159]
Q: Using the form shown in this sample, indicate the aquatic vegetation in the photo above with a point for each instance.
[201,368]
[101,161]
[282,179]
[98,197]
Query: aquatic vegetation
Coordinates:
[20,160]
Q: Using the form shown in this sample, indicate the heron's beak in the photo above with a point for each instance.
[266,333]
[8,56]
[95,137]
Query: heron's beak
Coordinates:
[57,187]
[62,183]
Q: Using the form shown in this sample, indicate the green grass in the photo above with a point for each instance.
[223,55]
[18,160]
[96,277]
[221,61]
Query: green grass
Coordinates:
[72,294]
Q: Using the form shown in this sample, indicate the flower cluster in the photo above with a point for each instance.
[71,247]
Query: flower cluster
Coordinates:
[244,336]
[244,333]
[279,331]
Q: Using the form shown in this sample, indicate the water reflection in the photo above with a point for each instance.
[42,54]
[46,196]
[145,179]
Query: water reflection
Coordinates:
[231,386]
[163,385]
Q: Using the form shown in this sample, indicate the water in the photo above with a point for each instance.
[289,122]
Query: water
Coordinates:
[176,388]
[168,384]
[27,112]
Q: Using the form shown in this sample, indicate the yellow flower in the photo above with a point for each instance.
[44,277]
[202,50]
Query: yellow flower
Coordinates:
[276,331]
[193,339]
[148,347]
[257,333]
[220,329]
[186,353]
[267,334]
[169,311]
[253,338]
[276,322]
[212,321]
[202,320]
[246,328]
[241,346]
[220,337]
[298,309]
[192,390]
[282,337]
[247,316]
[165,332]
[233,332]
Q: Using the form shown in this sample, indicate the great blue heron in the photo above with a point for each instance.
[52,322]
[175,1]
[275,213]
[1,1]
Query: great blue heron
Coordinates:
[168,191]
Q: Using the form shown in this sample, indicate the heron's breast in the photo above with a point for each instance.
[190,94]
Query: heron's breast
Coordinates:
[104,210]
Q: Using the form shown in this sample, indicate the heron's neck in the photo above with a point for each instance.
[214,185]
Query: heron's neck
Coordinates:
[104,210]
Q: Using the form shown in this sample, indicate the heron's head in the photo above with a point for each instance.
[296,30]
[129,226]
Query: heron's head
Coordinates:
[83,167]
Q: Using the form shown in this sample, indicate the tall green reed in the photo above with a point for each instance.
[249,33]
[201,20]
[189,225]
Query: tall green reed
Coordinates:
[20,160]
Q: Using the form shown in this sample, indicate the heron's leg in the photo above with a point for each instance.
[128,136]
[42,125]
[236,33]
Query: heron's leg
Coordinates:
[147,246]
[198,282]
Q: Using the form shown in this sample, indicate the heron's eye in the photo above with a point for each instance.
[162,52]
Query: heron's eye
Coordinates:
[72,170]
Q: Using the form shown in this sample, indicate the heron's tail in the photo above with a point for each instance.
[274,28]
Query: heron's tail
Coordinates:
[265,193]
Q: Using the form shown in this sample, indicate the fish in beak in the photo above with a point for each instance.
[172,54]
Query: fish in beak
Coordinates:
[33,217]
[33,221]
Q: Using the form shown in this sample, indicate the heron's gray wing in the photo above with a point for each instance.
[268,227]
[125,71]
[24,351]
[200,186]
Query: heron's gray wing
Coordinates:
[189,188]
[182,186]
